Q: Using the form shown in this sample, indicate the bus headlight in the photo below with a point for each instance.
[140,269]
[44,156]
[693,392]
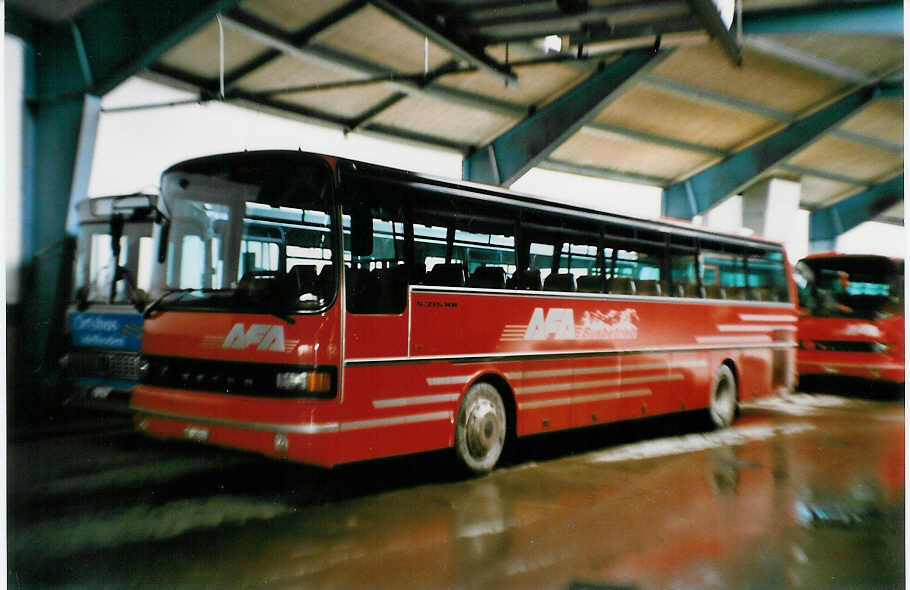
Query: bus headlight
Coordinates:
[144,368]
[880,347]
[315,382]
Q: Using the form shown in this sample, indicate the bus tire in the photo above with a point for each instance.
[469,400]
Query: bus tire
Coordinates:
[480,428]
[722,408]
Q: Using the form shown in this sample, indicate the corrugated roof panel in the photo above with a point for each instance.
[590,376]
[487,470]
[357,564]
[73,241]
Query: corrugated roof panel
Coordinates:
[445,120]
[846,157]
[290,15]
[374,36]
[537,85]
[760,79]
[287,72]
[654,111]
[198,54]
[895,212]
[818,192]
[626,155]
[872,55]
[341,101]
[883,119]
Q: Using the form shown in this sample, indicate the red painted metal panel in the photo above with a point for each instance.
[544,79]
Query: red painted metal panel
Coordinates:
[852,353]
[563,361]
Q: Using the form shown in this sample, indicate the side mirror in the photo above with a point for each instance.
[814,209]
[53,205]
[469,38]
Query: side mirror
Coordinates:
[162,241]
[82,298]
[361,231]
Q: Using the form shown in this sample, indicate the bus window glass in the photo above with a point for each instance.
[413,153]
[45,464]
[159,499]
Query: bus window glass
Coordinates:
[377,282]
[636,273]
[233,227]
[767,277]
[144,268]
[489,257]
[101,268]
[683,275]
[581,261]
[541,259]
[723,275]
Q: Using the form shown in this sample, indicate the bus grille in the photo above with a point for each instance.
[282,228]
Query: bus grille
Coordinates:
[227,377]
[104,363]
[846,346]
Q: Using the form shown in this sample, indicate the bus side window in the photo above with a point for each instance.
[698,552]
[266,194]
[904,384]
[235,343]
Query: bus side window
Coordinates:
[723,275]
[376,281]
[685,283]
[488,255]
[540,261]
[774,276]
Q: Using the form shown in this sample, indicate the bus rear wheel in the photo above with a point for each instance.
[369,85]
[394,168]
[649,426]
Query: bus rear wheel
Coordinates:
[480,429]
[723,398]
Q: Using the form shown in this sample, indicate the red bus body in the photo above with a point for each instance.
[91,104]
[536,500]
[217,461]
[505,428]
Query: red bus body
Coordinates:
[559,361]
[867,345]
[405,375]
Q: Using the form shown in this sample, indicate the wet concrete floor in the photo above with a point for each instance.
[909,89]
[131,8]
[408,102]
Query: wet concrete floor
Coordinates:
[802,492]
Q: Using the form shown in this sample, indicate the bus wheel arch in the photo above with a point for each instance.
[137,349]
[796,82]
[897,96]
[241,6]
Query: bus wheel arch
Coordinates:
[483,424]
[723,405]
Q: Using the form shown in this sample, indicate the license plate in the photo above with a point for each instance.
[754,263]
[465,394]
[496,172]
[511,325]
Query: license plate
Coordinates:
[196,433]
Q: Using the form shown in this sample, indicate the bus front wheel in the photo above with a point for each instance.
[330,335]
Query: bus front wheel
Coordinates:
[480,429]
[723,398]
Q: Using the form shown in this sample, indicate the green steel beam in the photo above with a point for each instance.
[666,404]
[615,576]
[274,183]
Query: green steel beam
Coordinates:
[828,223]
[882,18]
[69,66]
[109,42]
[700,192]
[505,159]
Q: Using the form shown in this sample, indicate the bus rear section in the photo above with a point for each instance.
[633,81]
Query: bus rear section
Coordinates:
[851,317]
[114,259]
[464,317]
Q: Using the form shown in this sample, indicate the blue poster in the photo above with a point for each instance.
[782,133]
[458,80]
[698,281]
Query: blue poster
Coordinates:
[122,331]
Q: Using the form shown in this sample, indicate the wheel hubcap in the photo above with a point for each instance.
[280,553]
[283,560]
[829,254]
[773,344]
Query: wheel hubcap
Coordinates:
[724,403]
[482,428]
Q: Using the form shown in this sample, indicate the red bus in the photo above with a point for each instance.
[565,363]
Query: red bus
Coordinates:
[466,315]
[851,316]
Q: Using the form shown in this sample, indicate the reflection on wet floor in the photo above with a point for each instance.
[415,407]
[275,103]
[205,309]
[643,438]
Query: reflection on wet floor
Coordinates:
[804,492]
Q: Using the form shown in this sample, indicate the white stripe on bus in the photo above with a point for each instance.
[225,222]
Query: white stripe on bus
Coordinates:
[598,383]
[853,365]
[605,369]
[414,401]
[755,317]
[451,380]
[564,401]
[484,357]
[312,428]
[753,328]
[731,339]
[396,420]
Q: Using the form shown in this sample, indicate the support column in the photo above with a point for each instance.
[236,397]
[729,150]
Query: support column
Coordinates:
[770,206]
[58,145]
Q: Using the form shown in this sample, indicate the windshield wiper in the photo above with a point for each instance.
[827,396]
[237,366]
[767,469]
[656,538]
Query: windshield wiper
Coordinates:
[283,316]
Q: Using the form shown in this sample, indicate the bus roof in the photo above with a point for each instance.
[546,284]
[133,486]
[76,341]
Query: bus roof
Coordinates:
[854,263]
[483,192]
[100,209]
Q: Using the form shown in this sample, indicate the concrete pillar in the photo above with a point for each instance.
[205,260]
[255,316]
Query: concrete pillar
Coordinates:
[770,208]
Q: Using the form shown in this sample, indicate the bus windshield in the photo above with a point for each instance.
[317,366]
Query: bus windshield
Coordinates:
[130,219]
[253,237]
[851,286]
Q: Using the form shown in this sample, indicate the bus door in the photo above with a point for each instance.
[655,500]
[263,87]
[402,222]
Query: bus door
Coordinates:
[375,299]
